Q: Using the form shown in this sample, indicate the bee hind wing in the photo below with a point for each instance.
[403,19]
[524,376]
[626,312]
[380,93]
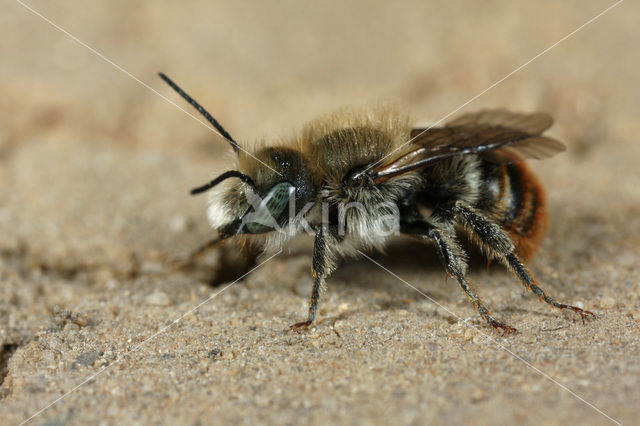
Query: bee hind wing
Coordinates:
[537,148]
[533,123]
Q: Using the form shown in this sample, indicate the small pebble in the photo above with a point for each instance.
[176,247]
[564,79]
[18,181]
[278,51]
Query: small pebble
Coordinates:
[607,302]
[477,395]
[86,358]
[468,334]
[433,347]
[158,298]
[150,267]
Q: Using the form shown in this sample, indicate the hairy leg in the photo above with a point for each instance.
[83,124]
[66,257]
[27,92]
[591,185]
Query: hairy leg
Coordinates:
[319,270]
[454,261]
[497,240]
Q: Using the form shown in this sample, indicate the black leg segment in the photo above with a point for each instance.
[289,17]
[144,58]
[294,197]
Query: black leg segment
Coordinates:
[498,242]
[319,269]
[454,260]
[530,283]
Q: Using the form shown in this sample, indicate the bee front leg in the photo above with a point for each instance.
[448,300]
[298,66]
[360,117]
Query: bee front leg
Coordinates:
[319,271]
[196,254]
[454,260]
[496,239]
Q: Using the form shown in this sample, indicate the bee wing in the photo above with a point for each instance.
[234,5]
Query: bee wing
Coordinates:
[535,123]
[486,133]
[537,147]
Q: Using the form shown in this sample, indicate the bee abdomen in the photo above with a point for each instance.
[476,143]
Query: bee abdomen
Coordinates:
[525,216]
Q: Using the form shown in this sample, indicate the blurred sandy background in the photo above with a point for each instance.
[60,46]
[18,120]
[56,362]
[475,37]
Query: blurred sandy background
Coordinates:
[94,178]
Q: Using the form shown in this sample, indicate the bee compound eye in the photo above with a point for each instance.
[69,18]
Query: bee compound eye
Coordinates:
[265,215]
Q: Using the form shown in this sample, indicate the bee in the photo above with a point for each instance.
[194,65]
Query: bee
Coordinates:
[353,179]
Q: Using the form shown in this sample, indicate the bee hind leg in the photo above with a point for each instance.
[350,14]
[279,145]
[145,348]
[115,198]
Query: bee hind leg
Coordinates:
[530,282]
[319,269]
[454,261]
[496,239]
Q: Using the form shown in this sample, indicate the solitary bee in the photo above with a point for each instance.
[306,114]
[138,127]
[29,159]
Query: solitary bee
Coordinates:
[352,178]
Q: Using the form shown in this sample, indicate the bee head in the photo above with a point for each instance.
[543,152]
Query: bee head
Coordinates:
[266,193]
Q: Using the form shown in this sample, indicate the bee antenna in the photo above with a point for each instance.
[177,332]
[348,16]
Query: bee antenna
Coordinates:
[202,111]
[225,175]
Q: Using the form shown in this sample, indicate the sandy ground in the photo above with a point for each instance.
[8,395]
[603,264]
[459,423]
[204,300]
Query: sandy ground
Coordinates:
[94,174]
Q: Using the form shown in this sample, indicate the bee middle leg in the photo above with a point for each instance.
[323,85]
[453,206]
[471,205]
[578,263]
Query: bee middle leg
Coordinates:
[454,260]
[496,239]
[320,272]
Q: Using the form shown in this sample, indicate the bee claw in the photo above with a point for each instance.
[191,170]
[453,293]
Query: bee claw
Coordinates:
[299,326]
[506,329]
[584,314]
